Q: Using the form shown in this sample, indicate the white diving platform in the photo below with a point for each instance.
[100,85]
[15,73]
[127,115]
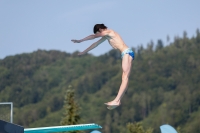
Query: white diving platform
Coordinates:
[62,128]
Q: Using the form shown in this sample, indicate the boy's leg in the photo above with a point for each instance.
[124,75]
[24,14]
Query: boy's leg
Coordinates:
[126,68]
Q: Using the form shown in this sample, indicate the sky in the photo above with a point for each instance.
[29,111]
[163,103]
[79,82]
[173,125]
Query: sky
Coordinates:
[29,25]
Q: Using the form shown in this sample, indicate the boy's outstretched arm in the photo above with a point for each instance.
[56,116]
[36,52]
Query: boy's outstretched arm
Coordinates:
[93,46]
[90,37]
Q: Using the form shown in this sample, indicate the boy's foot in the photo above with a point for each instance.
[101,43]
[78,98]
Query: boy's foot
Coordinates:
[112,105]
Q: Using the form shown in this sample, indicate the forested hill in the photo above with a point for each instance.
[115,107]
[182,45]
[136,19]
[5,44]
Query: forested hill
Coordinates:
[164,86]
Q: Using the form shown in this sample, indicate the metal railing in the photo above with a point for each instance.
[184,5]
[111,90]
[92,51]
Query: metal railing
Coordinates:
[11,110]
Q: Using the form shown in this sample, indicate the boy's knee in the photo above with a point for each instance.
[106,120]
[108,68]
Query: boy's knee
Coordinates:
[125,77]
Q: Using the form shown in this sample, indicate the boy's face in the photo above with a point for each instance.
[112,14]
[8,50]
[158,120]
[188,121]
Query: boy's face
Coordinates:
[100,30]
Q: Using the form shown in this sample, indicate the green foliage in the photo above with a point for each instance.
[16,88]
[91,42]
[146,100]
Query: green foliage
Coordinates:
[179,130]
[138,128]
[163,86]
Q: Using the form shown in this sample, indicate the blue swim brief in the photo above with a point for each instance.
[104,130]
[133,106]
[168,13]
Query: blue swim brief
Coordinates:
[128,51]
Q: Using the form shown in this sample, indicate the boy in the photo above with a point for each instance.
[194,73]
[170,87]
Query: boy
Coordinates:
[127,55]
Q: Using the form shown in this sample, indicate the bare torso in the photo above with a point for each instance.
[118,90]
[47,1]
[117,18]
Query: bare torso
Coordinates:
[115,40]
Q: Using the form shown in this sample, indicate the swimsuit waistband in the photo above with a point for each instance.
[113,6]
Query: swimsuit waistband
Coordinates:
[126,50]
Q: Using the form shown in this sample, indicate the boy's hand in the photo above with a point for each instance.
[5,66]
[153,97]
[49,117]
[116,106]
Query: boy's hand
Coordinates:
[81,53]
[76,41]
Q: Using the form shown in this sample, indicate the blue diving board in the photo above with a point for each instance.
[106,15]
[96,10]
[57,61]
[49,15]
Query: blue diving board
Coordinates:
[62,128]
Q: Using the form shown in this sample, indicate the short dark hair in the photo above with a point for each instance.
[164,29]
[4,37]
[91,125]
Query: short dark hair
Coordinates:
[98,26]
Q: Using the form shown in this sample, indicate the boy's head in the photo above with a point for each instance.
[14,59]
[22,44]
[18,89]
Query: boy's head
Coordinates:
[97,28]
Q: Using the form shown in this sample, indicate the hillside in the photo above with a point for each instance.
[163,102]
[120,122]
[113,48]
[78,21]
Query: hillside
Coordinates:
[164,86]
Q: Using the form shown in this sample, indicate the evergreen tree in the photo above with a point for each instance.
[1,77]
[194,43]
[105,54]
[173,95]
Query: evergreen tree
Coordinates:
[198,36]
[71,115]
[168,38]
[159,45]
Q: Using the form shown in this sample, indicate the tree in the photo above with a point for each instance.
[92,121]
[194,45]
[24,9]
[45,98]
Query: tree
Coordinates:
[159,45]
[179,130]
[198,36]
[138,128]
[168,38]
[71,115]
